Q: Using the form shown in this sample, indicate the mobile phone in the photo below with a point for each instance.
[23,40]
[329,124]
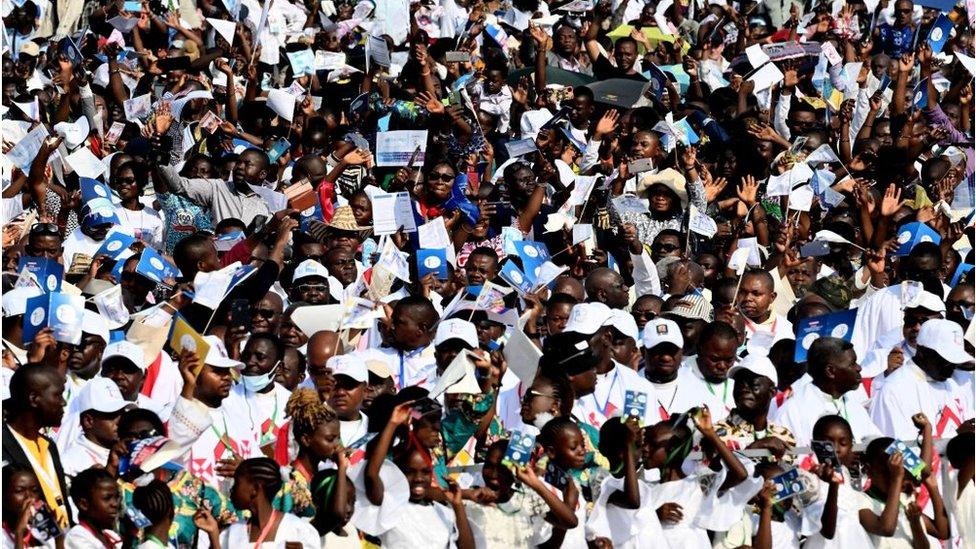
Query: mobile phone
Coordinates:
[826,453]
[278,148]
[257,225]
[240,313]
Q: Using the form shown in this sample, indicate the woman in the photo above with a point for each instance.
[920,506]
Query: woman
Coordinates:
[315,429]
[128,181]
[436,190]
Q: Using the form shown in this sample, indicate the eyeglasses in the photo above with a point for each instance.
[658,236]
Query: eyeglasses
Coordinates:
[666,247]
[45,228]
[532,393]
[141,435]
[443,176]
[266,314]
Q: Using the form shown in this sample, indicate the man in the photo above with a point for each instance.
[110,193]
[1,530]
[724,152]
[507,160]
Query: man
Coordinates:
[124,363]
[707,373]
[320,348]
[266,313]
[97,218]
[662,362]
[351,376]
[624,339]
[292,369]
[594,320]
[481,266]
[214,454]
[264,400]
[410,356]
[755,299]
[606,286]
[893,349]
[691,313]
[454,336]
[44,240]
[925,385]
[310,283]
[36,403]
[748,425]
[101,406]
[14,307]
[341,263]
[237,198]
[834,374]
[960,304]
[85,358]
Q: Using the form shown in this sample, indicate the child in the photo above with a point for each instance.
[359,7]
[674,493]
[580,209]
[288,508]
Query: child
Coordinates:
[335,500]
[769,525]
[412,519]
[517,517]
[565,449]
[890,489]
[623,512]
[315,429]
[685,506]
[959,452]
[838,506]
[256,482]
[155,502]
[20,491]
[97,498]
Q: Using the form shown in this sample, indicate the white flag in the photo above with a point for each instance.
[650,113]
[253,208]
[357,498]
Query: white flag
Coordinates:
[110,306]
[701,223]
[830,236]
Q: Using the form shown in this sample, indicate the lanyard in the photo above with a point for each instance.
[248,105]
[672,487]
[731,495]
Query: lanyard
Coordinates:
[665,412]
[754,327]
[725,389]
[270,424]
[606,403]
[843,401]
[403,382]
[275,517]
[228,444]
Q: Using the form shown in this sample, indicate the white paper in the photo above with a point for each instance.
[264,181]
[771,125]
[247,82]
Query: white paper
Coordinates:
[137,108]
[701,223]
[752,244]
[757,57]
[85,163]
[630,203]
[328,60]
[23,153]
[662,22]
[968,62]
[766,77]
[111,306]
[224,28]
[395,148]
[522,355]
[74,133]
[316,318]
[456,371]
[545,274]
[582,232]
[801,199]
[123,24]
[392,211]
[822,154]
[377,51]
[282,103]
[830,52]
[434,235]
[394,261]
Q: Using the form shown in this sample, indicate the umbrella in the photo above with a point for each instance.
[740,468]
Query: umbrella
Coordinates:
[619,92]
[553,76]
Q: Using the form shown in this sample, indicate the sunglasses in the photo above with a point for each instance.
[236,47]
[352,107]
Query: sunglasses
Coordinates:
[266,314]
[45,228]
[643,315]
[443,176]
[312,287]
[667,247]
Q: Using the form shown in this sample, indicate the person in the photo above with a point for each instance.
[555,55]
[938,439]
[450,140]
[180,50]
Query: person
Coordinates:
[748,425]
[335,495]
[97,497]
[755,300]
[707,374]
[23,490]
[925,384]
[410,354]
[350,374]
[155,502]
[891,350]
[101,405]
[36,403]
[263,398]
[834,372]
[314,427]
[420,521]
[256,482]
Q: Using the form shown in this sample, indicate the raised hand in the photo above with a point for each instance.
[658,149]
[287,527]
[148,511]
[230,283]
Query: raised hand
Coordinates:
[891,201]
[748,190]
[606,125]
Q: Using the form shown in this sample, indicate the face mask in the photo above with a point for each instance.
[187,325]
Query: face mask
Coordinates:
[258,382]
[541,419]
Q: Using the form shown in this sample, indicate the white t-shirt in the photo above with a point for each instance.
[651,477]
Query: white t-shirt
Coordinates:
[808,404]
[229,428]
[695,390]
[146,224]
[607,399]
[80,537]
[265,411]
[290,529]
[908,391]
[351,431]
[83,454]
[848,532]
[78,242]
[417,367]
[626,528]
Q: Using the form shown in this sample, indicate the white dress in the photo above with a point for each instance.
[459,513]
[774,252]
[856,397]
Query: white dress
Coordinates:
[290,529]
[848,532]
[627,528]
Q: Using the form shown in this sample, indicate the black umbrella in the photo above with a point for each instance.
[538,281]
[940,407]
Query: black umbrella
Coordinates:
[619,92]
[553,76]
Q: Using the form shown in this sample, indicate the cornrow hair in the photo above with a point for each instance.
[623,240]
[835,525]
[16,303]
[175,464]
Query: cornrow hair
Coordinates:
[263,471]
[550,431]
[307,412]
[155,500]
[323,487]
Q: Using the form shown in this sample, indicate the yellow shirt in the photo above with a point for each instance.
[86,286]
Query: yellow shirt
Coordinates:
[40,457]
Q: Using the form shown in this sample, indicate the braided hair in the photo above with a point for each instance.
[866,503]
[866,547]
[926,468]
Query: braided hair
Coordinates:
[155,500]
[307,412]
[263,471]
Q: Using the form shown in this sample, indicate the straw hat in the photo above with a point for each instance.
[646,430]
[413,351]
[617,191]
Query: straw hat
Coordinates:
[342,220]
[670,178]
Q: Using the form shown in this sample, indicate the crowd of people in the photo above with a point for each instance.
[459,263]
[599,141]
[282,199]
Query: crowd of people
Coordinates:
[517,273]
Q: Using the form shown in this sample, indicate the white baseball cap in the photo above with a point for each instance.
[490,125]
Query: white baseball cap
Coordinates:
[944,337]
[928,301]
[757,364]
[662,330]
[95,324]
[350,366]
[587,318]
[624,323]
[125,349]
[456,328]
[102,395]
[15,300]
[308,269]
[217,354]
